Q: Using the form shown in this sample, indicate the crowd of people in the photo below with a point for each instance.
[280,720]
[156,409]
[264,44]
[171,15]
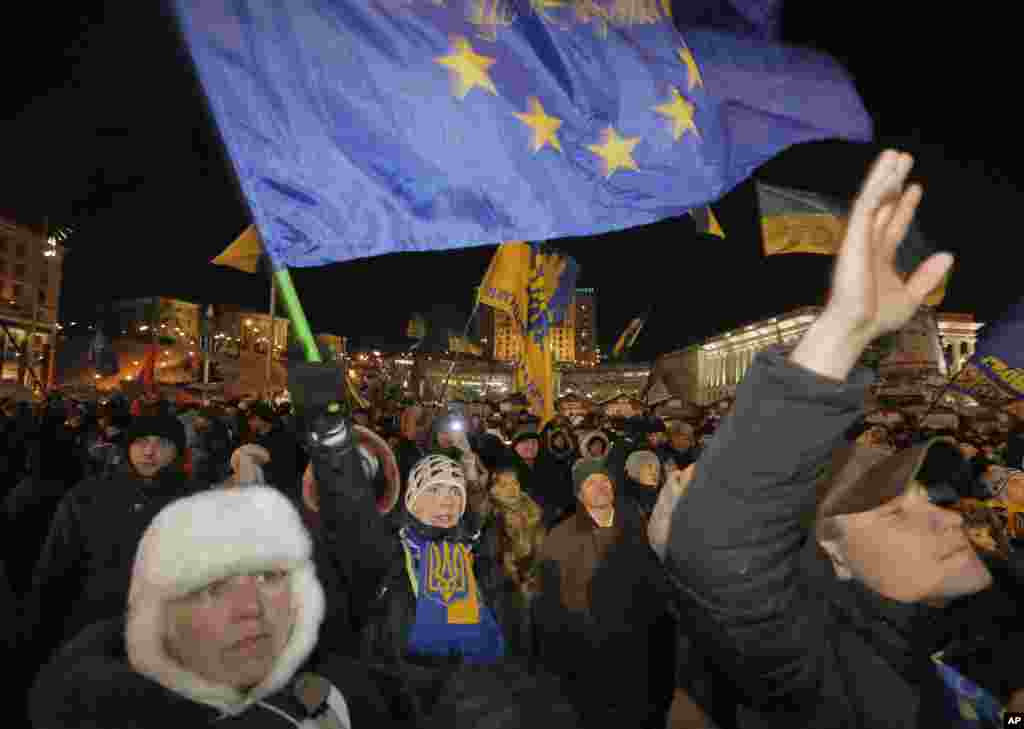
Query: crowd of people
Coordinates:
[785,563]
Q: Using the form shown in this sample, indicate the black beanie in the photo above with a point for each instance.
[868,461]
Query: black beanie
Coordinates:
[163,426]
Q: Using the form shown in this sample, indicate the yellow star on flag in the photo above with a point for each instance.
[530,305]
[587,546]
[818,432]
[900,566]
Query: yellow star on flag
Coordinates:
[691,66]
[468,68]
[616,151]
[680,111]
[544,127]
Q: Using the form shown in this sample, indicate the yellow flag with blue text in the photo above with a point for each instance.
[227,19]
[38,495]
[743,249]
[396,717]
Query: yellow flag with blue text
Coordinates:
[505,284]
[535,286]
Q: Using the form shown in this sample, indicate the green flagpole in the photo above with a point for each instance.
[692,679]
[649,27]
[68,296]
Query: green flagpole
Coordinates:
[297,317]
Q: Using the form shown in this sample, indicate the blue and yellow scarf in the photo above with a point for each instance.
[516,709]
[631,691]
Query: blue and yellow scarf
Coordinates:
[970,706]
[451,617]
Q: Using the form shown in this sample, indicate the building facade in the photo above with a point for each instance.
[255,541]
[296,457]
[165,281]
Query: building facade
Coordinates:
[332,343]
[249,331]
[710,371]
[958,334]
[30,279]
[172,318]
[493,378]
[588,352]
[574,342]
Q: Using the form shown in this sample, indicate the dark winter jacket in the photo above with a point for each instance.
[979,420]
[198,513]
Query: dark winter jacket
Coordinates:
[17,681]
[29,509]
[90,684]
[802,648]
[286,460]
[1015,447]
[9,619]
[211,453]
[84,570]
[407,454]
[603,620]
[547,482]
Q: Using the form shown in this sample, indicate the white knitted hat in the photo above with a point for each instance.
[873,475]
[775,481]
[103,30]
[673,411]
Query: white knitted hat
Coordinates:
[434,471]
[198,540]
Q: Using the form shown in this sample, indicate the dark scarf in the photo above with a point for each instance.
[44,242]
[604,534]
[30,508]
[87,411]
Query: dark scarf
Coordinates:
[643,496]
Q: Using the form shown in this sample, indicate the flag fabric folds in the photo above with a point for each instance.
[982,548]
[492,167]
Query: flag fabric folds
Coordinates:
[244,253]
[797,221]
[363,128]
[757,18]
[995,372]
[535,286]
[628,337]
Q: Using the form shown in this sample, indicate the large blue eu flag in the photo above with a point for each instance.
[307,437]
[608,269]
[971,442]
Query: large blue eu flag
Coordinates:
[364,127]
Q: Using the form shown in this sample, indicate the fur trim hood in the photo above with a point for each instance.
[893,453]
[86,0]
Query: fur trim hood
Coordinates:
[204,538]
[586,439]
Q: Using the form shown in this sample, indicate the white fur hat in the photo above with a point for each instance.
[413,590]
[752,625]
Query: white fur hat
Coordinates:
[207,537]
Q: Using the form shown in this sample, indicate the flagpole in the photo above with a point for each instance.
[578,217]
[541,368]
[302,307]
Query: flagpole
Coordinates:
[273,332]
[465,335]
[209,351]
[296,315]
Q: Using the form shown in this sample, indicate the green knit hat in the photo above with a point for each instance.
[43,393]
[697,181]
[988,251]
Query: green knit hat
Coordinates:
[586,468]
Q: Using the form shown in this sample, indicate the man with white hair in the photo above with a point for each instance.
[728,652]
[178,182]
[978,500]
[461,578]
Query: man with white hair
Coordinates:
[224,612]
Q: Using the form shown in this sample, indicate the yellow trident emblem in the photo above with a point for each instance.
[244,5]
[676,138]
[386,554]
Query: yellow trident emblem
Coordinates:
[447,570]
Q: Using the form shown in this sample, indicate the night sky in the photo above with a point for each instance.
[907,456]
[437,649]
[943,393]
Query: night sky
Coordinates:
[105,129]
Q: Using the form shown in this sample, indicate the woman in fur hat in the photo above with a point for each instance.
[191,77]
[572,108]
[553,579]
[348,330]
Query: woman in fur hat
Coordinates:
[224,612]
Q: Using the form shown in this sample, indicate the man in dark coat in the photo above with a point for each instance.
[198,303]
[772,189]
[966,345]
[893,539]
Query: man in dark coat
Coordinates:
[83,571]
[841,629]
[603,621]
[539,474]
[286,458]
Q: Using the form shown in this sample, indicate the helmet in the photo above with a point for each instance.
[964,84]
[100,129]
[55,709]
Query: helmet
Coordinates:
[431,471]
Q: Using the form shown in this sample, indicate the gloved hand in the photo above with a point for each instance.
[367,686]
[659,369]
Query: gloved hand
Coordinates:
[328,439]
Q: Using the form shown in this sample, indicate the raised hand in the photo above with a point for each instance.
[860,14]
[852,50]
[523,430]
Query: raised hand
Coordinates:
[869,296]
[868,293]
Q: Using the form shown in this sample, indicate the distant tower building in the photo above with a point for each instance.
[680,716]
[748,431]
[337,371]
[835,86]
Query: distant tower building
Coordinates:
[586,327]
[574,342]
